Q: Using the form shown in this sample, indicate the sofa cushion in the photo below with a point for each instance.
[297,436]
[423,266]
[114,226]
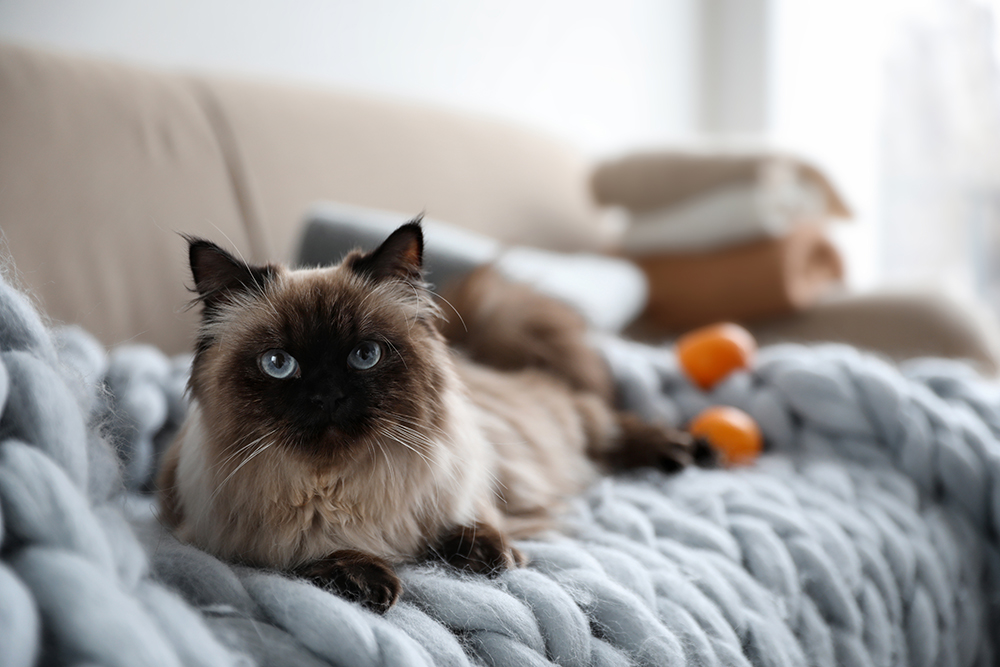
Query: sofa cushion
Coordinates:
[298,145]
[609,292]
[100,166]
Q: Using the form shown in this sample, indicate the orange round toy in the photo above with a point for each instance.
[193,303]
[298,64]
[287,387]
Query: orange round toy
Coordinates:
[731,432]
[711,353]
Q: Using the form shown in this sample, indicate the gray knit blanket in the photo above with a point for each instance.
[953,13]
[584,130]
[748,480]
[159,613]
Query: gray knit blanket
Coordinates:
[866,535]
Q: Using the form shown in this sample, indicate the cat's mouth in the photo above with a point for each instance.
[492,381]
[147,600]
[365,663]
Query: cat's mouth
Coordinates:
[329,436]
[334,434]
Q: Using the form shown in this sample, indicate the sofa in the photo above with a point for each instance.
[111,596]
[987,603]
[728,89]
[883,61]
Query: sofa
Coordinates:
[867,534]
[102,165]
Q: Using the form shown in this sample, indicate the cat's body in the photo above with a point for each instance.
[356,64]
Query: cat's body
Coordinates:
[333,431]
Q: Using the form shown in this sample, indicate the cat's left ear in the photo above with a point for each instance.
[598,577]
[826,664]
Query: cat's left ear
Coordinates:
[400,256]
[219,277]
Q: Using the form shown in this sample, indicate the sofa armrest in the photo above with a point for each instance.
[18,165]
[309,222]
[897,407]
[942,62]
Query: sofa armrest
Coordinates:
[899,325]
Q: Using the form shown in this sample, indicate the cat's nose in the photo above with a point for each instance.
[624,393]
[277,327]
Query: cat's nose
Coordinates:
[327,402]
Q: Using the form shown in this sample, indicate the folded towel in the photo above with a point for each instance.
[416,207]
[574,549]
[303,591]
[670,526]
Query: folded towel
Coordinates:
[683,201]
[646,182]
[725,216]
[742,283]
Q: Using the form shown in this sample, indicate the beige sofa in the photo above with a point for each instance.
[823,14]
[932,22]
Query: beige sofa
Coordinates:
[102,164]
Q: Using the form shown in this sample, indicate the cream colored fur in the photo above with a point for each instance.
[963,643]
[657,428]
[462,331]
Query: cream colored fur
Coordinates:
[506,449]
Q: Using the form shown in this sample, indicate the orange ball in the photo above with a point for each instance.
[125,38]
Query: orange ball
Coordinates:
[731,432]
[711,353]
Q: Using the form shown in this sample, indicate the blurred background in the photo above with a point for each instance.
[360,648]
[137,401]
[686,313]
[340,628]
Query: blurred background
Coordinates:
[898,100]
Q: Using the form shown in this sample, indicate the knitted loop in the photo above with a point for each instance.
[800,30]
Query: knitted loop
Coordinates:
[19,622]
[41,411]
[74,561]
[867,536]
[42,506]
[145,409]
[330,627]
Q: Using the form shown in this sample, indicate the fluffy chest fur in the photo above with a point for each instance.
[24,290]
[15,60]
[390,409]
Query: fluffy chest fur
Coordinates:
[274,510]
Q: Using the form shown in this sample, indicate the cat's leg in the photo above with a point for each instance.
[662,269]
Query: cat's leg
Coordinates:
[621,440]
[640,444]
[510,327]
[357,576]
[480,548]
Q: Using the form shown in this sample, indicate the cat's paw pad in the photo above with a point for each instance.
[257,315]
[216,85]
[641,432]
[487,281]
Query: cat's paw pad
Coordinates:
[481,549]
[358,577]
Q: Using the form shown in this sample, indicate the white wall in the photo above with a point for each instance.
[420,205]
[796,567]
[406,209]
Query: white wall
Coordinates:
[735,81]
[604,74]
[828,69]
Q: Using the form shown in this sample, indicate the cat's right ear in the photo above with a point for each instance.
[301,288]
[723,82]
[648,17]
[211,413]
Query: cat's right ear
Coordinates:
[400,256]
[219,277]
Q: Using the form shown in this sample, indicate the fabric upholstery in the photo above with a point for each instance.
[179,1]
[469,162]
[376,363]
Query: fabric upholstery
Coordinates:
[300,145]
[898,324]
[101,163]
[100,166]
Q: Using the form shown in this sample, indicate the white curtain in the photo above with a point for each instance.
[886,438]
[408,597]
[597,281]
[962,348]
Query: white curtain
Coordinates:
[939,189]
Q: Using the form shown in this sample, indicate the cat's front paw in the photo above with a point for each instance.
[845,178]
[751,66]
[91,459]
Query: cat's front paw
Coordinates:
[357,576]
[479,548]
[642,444]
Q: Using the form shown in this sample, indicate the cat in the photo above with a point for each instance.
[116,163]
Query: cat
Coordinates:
[333,431]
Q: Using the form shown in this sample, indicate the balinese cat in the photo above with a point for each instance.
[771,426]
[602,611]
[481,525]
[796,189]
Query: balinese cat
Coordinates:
[333,432]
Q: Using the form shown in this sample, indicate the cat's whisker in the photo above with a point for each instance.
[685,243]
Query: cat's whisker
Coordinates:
[388,462]
[460,318]
[401,440]
[415,435]
[455,450]
[394,349]
[243,448]
[430,443]
[497,484]
[403,420]
[449,472]
[416,423]
[245,461]
[397,438]
[372,468]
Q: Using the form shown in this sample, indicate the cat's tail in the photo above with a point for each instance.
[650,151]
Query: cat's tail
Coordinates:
[509,326]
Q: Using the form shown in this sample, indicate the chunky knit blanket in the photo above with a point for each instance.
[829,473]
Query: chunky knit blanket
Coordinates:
[866,536]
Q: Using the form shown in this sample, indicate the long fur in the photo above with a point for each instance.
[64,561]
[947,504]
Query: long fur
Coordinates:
[245,490]
[426,448]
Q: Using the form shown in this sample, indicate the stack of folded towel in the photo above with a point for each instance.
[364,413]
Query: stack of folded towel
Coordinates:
[725,235]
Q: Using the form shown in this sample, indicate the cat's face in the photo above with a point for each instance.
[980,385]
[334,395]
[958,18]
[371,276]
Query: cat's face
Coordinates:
[322,362]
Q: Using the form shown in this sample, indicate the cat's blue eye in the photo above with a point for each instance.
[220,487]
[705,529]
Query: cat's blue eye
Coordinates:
[278,364]
[365,355]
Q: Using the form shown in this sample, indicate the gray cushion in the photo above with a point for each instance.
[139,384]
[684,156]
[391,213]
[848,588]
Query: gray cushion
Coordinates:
[609,292]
